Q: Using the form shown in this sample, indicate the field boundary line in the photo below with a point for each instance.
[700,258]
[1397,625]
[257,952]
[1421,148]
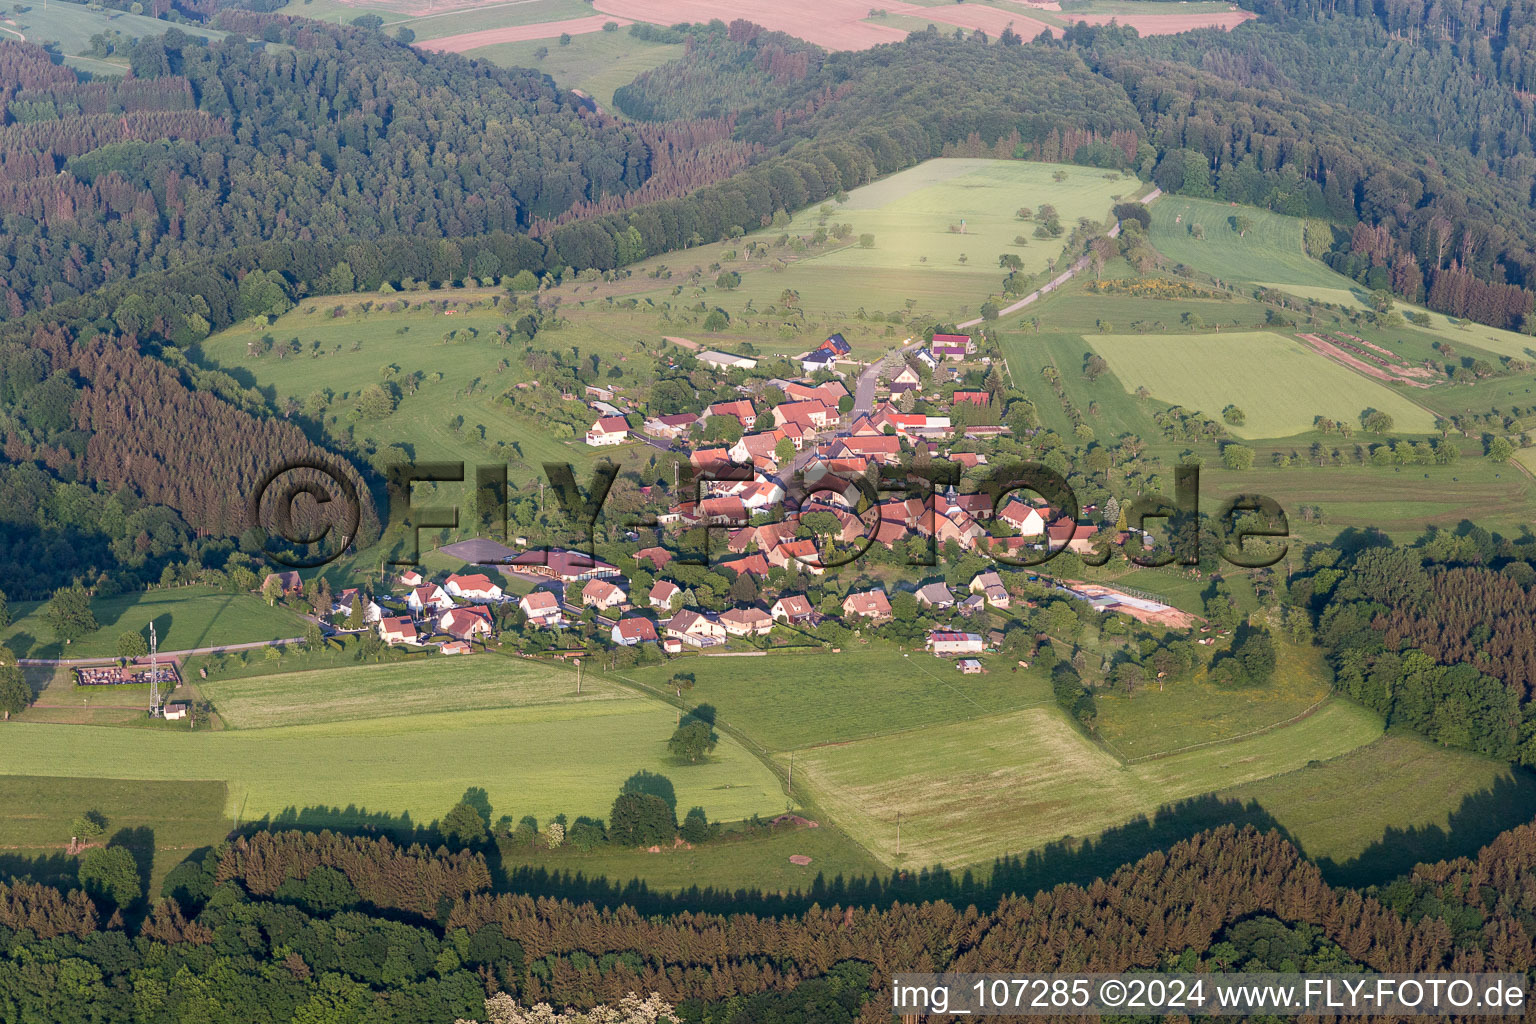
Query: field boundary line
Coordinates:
[1307,713]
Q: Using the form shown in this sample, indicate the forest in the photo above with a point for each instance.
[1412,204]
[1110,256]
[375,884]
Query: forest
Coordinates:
[315,926]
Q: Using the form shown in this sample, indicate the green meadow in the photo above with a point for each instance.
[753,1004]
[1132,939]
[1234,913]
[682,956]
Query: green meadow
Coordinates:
[185,618]
[977,789]
[542,759]
[597,63]
[1279,384]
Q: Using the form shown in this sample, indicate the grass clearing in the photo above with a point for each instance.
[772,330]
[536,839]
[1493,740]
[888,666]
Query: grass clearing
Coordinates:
[540,760]
[1269,251]
[1275,380]
[974,790]
[1158,722]
[71,26]
[792,701]
[161,820]
[467,683]
[185,618]
[597,63]
[1376,811]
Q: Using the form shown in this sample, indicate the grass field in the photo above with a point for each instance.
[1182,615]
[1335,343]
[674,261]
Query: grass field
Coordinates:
[789,701]
[1376,811]
[758,863]
[352,350]
[910,214]
[1275,380]
[973,790]
[1270,251]
[1154,722]
[597,63]
[434,25]
[540,760]
[470,683]
[185,618]
[161,820]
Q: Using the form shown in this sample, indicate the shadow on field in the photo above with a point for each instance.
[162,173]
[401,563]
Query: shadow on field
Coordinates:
[1511,801]
[57,869]
[351,820]
[1069,860]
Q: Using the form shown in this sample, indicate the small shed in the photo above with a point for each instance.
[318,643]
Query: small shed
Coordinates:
[969,666]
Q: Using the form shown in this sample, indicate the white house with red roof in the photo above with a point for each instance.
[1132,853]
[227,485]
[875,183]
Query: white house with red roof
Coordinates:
[602,595]
[663,592]
[476,589]
[1023,517]
[608,430]
[868,604]
[466,623]
[412,578]
[944,643]
[749,621]
[636,629]
[792,608]
[542,609]
[428,599]
[397,629]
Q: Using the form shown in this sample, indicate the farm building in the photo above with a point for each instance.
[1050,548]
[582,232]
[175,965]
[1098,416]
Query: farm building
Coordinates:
[726,361]
[672,645]
[670,428]
[945,644]
[412,578]
[634,630]
[476,589]
[456,647]
[570,566]
[970,666]
[1024,518]
[608,430]
[953,346]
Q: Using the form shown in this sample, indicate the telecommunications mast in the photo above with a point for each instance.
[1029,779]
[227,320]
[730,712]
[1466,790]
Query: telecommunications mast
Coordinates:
[154,673]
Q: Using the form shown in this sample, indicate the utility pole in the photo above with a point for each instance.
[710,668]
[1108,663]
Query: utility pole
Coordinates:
[578,677]
[898,833]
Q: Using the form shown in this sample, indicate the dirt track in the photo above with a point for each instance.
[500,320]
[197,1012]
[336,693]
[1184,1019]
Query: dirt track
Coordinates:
[518,33]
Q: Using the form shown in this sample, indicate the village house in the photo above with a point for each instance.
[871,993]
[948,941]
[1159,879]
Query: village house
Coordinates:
[990,586]
[343,602]
[637,629]
[907,377]
[818,359]
[729,511]
[662,594]
[837,345]
[657,556]
[927,358]
[466,623]
[757,449]
[828,392]
[428,599]
[542,609]
[694,628]
[797,554]
[971,604]
[749,621]
[869,604]
[1026,519]
[476,589]
[935,595]
[1076,537]
[978,398]
[289,581]
[793,608]
[608,430]
[398,629]
[953,346]
[754,564]
[602,595]
[946,644]
[740,410]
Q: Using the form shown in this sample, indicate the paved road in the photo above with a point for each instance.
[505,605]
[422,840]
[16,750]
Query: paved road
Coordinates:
[864,388]
[1061,278]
